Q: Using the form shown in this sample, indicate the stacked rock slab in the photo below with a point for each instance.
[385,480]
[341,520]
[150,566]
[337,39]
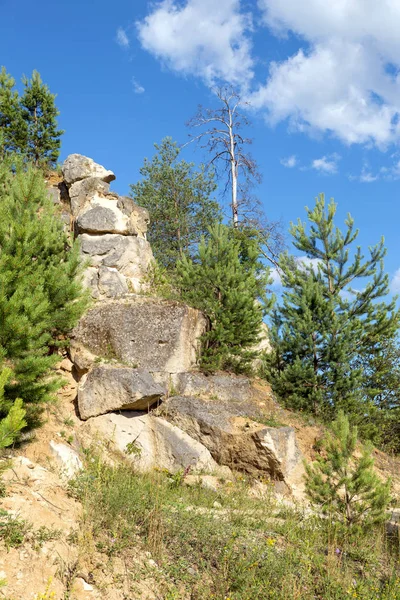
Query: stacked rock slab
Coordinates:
[111,230]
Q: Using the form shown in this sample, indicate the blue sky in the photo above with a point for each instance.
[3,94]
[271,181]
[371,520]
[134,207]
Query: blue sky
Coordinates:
[322,82]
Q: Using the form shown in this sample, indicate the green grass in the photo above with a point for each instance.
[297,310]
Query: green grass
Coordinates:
[245,549]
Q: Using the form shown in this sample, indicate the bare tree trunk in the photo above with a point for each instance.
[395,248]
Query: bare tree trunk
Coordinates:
[234,174]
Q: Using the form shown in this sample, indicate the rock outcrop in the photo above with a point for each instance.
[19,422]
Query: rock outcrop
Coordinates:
[233,438]
[151,333]
[111,229]
[108,388]
[151,442]
[77,167]
[131,351]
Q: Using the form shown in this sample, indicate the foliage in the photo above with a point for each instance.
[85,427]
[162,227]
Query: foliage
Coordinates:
[346,487]
[179,201]
[40,305]
[227,282]
[40,115]
[325,325]
[12,125]
[12,530]
[244,550]
[28,123]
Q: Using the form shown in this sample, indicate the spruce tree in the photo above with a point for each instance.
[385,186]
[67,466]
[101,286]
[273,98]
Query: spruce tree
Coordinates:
[12,125]
[39,112]
[178,198]
[40,299]
[225,281]
[344,486]
[331,315]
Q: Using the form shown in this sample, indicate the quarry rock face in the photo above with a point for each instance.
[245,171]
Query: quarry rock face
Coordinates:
[221,386]
[111,230]
[143,332]
[77,167]
[108,388]
[233,438]
[157,443]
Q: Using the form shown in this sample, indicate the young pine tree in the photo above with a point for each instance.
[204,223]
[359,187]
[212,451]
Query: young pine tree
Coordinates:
[225,281]
[14,422]
[40,299]
[12,125]
[179,201]
[39,112]
[331,315]
[344,486]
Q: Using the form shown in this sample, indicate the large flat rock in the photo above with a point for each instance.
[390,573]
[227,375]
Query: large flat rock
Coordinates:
[142,332]
[108,388]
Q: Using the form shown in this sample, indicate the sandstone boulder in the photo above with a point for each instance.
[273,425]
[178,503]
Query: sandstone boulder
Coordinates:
[233,438]
[145,332]
[83,191]
[221,386]
[77,167]
[111,283]
[130,256]
[151,442]
[109,387]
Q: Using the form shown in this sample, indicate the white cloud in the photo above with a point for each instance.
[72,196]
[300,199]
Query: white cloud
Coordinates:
[276,278]
[345,78]
[395,283]
[200,37]
[367,177]
[137,87]
[327,164]
[290,161]
[303,262]
[122,38]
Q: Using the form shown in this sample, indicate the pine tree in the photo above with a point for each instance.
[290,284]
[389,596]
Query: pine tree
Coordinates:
[226,282]
[179,201]
[324,324]
[39,112]
[14,422]
[40,299]
[346,487]
[12,125]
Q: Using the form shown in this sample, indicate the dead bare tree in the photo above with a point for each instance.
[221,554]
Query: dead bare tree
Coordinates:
[221,134]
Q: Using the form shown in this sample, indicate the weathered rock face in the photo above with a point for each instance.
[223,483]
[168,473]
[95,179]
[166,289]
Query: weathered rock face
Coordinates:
[127,256]
[158,443]
[233,439]
[155,334]
[111,230]
[77,167]
[222,386]
[108,388]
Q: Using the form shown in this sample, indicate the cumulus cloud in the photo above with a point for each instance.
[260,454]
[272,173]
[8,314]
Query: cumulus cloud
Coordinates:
[290,162]
[137,87]
[122,38]
[327,164]
[344,80]
[200,37]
